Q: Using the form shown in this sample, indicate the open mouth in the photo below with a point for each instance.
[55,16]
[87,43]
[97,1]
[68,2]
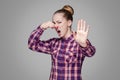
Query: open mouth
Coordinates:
[58,31]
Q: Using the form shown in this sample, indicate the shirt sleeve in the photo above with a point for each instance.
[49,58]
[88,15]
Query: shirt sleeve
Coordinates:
[35,44]
[88,51]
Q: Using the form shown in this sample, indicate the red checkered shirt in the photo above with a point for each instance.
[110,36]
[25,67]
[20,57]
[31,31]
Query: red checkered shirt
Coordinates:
[67,55]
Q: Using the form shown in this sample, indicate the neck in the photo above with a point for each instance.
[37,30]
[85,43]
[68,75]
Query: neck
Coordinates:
[68,33]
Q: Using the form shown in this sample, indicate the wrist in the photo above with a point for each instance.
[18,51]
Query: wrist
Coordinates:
[83,44]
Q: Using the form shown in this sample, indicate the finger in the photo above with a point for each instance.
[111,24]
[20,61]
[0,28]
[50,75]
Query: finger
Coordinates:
[74,33]
[51,25]
[84,25]
[87,29]
[81,24]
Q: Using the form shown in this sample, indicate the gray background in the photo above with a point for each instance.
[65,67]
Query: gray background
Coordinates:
[18,18]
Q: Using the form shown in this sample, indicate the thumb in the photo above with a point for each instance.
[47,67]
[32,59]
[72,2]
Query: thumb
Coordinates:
[74,33]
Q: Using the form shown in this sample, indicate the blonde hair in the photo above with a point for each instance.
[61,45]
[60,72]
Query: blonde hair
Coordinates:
[69,9]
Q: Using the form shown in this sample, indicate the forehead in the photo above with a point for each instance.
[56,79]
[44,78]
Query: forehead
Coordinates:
[58,16]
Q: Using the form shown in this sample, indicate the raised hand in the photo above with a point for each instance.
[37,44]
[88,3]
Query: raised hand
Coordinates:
[82,32]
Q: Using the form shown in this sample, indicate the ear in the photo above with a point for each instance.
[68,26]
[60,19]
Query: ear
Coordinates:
[69,22]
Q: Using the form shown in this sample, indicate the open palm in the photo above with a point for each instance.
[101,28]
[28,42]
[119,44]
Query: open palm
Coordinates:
[82,32]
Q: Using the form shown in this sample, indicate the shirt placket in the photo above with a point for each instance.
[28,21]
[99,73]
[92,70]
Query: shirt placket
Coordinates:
[62,52]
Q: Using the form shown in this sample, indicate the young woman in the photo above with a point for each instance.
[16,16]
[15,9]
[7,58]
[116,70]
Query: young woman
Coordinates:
[69,50]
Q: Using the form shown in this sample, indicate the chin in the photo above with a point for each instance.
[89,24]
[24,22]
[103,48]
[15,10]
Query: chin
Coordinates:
[61,36]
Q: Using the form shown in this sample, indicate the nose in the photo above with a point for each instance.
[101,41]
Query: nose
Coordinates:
[56,27]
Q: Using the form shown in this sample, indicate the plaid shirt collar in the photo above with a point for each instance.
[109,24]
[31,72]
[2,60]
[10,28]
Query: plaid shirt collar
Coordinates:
[69,39]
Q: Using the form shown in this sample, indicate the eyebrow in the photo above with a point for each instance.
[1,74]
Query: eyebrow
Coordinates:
[56,21]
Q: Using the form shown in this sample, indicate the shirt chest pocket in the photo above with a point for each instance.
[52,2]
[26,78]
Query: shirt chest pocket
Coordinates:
[60,55]
[71,53]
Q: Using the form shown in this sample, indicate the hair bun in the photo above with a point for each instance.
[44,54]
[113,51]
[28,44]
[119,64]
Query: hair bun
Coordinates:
[69,9]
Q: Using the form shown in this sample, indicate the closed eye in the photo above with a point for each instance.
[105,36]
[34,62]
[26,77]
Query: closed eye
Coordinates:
[59,22]
[53,22]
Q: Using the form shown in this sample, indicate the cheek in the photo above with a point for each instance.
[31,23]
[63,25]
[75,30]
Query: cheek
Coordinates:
[64,26]
[64,29]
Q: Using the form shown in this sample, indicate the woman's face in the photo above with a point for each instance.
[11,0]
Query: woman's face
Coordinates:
[61,24]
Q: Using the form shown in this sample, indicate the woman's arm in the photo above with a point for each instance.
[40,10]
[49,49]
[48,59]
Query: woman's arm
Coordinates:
[35,44]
